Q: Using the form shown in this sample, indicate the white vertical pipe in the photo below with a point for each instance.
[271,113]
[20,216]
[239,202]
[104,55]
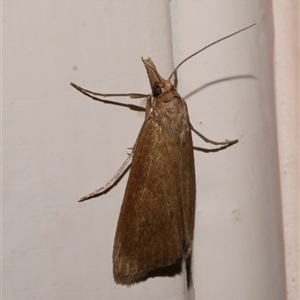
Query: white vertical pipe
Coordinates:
[238,245]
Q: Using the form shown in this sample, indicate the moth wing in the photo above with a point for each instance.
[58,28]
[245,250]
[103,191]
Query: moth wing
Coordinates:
[188,185]
[150,231]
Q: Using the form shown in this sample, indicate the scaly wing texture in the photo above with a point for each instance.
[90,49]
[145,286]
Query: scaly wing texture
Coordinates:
[154,229]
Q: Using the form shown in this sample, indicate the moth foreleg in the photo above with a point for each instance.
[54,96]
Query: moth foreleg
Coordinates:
[90,93]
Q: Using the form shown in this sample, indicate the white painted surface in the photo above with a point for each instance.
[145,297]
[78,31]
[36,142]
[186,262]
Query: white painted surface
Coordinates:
[59,145]
[286,64]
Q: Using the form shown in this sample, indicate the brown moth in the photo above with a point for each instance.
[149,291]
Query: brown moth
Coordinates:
[156,221]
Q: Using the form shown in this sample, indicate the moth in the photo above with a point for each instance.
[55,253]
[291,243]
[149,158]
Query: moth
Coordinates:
[156,221]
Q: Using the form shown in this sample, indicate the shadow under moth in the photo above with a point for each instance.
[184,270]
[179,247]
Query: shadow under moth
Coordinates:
[156,221]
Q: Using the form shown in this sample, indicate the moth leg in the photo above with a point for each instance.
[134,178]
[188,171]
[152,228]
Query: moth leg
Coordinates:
[226,142]
[120,171]
[110,183]
[90,93]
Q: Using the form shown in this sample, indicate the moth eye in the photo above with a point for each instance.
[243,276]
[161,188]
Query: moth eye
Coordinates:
[157,90]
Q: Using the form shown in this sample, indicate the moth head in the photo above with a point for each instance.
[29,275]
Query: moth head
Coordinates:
[159,85]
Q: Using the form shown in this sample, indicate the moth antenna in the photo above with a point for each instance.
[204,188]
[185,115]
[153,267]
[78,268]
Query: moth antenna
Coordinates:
[215,42]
